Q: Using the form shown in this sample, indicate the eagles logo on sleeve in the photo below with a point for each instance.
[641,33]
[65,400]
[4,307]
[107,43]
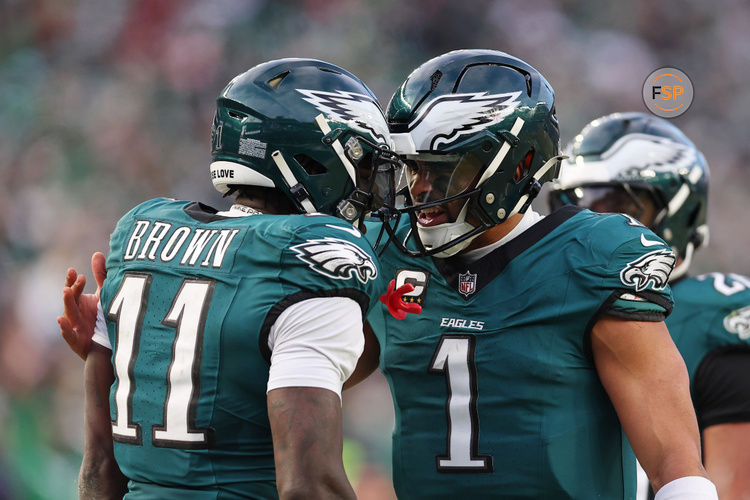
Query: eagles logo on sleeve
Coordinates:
[738,322]
[651,270]
[337,259]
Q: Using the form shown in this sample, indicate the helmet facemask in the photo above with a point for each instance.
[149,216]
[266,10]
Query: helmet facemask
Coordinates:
[453,198]
[379,178]
[441,206]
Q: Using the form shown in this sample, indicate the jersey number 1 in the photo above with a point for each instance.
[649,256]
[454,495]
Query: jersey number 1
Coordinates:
[187,315]
[454,358]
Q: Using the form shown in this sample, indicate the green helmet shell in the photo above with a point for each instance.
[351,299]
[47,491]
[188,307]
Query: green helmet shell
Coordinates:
[644,151]
[299,125]
[492,105]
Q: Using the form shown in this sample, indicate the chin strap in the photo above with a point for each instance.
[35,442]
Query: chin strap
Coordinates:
[535,186]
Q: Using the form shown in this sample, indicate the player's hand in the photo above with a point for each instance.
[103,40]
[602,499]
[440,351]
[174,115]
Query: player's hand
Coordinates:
[79,310]
[397,307]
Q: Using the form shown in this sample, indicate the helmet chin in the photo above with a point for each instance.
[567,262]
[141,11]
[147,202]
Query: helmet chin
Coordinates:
[436,236]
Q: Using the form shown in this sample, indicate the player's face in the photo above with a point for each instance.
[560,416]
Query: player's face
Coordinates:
[381,176]
[635,202]
[433,178]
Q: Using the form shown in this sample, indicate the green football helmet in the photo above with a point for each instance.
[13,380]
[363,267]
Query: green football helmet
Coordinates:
[479,127]
[644,167]
[310,129]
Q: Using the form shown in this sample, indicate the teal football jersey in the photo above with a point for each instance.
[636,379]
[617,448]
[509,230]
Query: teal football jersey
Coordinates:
[711,311]
[189,299]
[494,386]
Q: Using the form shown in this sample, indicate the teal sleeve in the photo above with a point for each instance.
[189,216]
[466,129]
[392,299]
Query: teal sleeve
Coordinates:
[328,259]
[638,273]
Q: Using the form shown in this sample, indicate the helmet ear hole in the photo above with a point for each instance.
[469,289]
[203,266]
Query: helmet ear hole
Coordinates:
[523,167]
[310,165]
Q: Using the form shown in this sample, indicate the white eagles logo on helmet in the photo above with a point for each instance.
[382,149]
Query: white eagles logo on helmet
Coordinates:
[650,270]
[626,158]
[738,322]
[358,110]
[337,259]
[447,117]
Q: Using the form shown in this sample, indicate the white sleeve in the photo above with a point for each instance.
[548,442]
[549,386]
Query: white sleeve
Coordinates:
[316,343]
[688,488]
[101,336]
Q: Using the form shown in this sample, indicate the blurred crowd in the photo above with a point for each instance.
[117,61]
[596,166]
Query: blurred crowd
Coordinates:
[106,103]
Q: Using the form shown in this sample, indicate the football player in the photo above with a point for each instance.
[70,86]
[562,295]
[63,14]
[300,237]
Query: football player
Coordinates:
[226,336]
[541,354]
[645,167]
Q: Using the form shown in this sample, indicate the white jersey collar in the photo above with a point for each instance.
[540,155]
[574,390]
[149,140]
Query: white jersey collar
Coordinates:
[529,219]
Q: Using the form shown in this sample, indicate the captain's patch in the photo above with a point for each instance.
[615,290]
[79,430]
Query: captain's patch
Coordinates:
[416,277]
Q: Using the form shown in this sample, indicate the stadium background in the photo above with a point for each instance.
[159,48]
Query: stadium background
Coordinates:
[106,103]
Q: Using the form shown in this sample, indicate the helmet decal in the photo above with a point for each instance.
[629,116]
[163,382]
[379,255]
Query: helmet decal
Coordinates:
[359,110]
[627,162]
[447,117]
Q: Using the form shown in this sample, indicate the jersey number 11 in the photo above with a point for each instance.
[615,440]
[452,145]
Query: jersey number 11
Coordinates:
[187,315]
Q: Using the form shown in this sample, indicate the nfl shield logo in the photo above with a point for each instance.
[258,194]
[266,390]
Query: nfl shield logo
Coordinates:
[467,283]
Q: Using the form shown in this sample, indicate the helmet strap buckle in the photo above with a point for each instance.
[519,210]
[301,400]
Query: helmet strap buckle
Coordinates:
[299,192]
[532,190]
[509,137]
[332,135]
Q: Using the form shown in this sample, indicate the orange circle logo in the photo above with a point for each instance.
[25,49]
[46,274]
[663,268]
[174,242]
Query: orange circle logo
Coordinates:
[667,92]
